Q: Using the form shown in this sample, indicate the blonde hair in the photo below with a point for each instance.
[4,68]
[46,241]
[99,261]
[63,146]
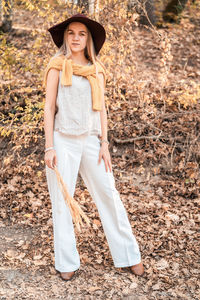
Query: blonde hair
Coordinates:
[90,52]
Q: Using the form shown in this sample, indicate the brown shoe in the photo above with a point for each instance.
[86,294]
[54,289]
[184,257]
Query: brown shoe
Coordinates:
[67,275]
[137,269]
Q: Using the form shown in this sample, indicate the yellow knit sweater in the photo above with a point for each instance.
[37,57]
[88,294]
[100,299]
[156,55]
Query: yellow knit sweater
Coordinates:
[68,67]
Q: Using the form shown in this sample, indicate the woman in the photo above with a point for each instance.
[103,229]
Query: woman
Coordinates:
[74,120]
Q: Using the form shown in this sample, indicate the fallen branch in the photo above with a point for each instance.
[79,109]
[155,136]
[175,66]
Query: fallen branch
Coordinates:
[131,140]
[149,137]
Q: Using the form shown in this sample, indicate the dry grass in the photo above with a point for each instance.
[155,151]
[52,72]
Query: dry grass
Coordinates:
[77,213]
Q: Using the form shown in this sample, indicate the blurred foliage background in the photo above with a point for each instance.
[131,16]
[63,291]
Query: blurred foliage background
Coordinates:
[152,64]
[152,59]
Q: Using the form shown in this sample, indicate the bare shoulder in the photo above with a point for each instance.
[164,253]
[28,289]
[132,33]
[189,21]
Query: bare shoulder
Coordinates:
[52,78]
[53,74]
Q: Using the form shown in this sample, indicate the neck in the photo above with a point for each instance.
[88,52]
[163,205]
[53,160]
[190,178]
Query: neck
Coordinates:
[79,58]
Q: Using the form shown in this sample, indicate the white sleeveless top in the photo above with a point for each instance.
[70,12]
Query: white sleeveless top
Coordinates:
[74,109]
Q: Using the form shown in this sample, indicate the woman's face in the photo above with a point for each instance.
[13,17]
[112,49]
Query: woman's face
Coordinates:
[76,36]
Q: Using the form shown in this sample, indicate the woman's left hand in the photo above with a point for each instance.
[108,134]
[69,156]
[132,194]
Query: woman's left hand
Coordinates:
[105,154]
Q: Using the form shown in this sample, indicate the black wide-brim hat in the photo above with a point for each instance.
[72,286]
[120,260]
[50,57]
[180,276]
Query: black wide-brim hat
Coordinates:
[96,29]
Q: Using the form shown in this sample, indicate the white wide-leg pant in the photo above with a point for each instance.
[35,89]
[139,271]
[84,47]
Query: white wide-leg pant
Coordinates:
[80,154]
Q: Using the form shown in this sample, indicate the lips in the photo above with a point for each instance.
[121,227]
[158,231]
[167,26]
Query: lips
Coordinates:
[75,44]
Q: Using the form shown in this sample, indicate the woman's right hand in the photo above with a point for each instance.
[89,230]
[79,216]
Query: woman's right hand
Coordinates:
[50,159]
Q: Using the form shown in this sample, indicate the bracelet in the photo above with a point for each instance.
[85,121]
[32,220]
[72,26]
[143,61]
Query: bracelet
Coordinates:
[105,141]
[47,149]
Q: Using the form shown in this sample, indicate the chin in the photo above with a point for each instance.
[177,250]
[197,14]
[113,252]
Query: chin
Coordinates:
[76,50]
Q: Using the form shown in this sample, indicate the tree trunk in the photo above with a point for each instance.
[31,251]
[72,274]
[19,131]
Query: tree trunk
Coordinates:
[94,8]
[173,10]
[6,13]
[91,4]
[159,11]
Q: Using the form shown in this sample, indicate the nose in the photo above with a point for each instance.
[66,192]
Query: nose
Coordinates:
[76,37]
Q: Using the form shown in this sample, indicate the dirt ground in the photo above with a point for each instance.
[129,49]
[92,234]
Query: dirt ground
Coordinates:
[169,253]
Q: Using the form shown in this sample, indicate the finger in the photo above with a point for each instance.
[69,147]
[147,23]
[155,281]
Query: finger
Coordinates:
[110,166]
[52,164]
[106,164]
[56,161]
[110,163]
[47,162]
[100,157]
[48,165]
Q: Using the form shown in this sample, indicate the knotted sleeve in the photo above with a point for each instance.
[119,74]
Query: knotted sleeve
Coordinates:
[96,91]
[67,71]
[96,88]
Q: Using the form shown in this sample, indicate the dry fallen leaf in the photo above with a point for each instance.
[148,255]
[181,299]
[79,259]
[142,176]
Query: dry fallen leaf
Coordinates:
[162,264]
[11,253]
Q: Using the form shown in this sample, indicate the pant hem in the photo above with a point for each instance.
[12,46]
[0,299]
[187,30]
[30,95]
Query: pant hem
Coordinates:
[126,264]
[67,270]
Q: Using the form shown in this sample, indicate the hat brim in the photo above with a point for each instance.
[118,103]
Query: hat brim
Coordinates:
[96,29]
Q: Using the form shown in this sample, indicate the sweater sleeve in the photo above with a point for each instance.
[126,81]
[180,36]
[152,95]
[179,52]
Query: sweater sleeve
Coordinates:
[54,63]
